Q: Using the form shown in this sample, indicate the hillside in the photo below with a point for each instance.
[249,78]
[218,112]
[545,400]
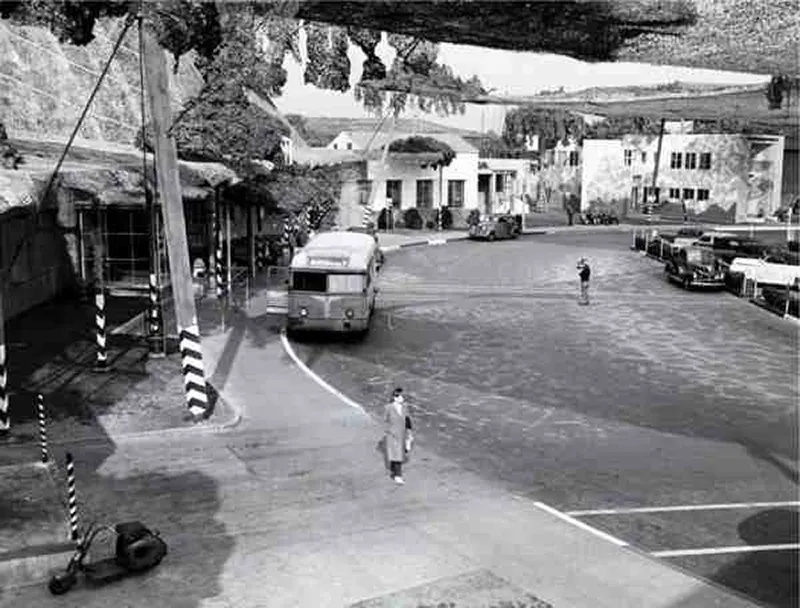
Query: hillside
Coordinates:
[319,131]
[45,84]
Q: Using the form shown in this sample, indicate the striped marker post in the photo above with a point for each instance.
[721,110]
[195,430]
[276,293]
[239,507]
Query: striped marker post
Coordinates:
[101,363]
[155,326]
[194,379]
[366,217]
[286,232]
[219,269]
[42,428]
[260,261]
[72,501]
[5,418]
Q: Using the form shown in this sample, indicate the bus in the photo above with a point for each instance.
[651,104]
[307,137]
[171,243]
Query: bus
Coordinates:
[332,283]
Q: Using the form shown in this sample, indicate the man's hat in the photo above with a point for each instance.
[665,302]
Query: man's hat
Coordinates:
[397,392]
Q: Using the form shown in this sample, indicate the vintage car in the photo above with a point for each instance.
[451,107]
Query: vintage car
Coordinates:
[495,227]
[727,245]
[695,267]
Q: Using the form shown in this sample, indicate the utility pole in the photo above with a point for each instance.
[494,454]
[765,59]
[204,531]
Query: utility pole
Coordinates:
[5,419]
[658,160]
[175,227]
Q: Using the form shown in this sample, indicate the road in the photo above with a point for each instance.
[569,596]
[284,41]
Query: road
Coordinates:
[652,397]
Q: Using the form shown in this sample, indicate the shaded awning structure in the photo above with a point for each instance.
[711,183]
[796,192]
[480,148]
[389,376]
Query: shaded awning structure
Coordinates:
[108,173]
[757,36]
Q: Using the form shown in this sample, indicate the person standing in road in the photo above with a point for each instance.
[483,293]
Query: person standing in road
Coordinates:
[397,434]
[584,272]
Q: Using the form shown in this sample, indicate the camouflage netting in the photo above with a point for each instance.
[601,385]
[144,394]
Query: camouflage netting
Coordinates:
[760,36]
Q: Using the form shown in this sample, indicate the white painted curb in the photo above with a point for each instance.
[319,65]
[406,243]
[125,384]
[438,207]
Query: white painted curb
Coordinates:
[336,393]
[437,241]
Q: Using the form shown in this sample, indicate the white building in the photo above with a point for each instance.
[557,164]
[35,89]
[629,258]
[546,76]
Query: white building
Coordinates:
[716,176]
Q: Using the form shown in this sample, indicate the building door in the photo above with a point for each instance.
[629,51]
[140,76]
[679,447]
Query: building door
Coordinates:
[484,186]
[394,193]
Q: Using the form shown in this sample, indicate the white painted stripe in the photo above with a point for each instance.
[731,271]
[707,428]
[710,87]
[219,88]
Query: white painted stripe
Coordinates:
[723,550]
[339,395]
[199,396]
[388,248]
[437,241]
[581,525]
[674,508]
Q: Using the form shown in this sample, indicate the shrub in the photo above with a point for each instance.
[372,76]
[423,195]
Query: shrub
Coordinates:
[447,218]
[429,224]
[412,219]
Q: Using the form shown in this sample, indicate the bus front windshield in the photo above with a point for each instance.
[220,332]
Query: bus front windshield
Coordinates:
[321,282]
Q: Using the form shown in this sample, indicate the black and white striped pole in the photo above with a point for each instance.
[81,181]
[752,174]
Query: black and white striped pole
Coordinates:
[194,379]
[366,217]
[5,418]
[42,428]
[155,325]
[219,269]
[101,362]
[72,500]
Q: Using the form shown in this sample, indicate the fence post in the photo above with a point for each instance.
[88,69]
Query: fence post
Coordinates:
[633,239]
[72,501]
[661,249]
[788,294]
[156,326]
[647,242]
[42,427]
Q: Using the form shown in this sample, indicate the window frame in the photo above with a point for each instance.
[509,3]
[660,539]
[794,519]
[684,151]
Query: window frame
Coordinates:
[676,160]
[456,203]
[703,194]
[704,163]
[420,203]
[690,197]
[690,161]
[627,157]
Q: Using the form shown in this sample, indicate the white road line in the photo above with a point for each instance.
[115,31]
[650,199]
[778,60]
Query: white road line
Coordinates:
[290,351]
[580,524]
[722,550]
[675,508]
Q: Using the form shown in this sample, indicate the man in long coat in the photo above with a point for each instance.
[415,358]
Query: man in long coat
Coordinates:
[396,434]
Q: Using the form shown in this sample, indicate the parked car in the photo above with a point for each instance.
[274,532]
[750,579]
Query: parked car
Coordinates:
[695,267]
[776,297]
[495,227]
[727,245]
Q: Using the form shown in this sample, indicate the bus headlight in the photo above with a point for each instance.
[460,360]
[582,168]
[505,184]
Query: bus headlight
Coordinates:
[349,313]
[303,312]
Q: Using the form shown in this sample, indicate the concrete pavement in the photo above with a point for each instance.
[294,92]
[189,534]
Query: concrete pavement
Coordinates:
[294,508]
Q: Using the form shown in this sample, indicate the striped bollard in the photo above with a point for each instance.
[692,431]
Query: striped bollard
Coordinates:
[366,217]
[42,428]
[260,254]
[101,363]
[194,379]
[286,232]
[155,327]
[5,418]
[219,267]
[72,501]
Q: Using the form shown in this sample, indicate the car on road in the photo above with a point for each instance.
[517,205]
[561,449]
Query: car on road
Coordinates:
[495,227]
[695,267]
[727,245]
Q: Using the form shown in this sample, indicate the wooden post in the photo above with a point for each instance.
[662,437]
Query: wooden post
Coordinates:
[229,277]
[658,160]
[175,227]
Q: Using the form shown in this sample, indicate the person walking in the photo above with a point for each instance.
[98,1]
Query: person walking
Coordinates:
[584,272]
[397,434]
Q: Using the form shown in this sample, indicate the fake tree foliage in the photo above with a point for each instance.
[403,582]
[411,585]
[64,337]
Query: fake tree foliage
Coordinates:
[240,47]
[420,145]
[551,126]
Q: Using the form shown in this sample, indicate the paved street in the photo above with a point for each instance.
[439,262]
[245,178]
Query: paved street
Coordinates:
[651,397]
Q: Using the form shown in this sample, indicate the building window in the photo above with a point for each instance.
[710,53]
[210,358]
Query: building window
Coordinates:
[349,145]
[644,158]
[335,146]
[691,161]
[688,194]
[127,246]
[702,194]
[364,191]
[394,193]
[627,158]
[705,160]
[675,160]
[500,183]
[573,158]
[675,194]
[425,194]
[455,193]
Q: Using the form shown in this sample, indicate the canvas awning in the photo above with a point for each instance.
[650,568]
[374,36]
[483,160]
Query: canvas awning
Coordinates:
[109,173]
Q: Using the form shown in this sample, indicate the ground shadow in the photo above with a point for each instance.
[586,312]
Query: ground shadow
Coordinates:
[770,577]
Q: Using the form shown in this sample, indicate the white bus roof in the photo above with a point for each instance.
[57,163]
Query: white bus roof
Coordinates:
[336,251]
